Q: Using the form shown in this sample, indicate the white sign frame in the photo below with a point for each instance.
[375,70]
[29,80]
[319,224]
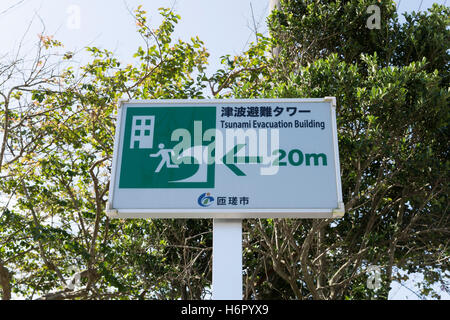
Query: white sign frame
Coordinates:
[238,213]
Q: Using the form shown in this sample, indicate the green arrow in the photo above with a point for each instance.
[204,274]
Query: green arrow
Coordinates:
[231,155]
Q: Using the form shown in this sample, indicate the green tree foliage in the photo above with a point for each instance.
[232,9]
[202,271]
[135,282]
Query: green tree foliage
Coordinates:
[392,95]
[57,229]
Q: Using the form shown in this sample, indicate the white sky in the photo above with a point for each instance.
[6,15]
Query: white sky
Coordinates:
[226,27]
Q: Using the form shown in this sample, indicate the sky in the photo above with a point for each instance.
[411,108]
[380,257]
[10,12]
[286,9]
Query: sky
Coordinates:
[226,27]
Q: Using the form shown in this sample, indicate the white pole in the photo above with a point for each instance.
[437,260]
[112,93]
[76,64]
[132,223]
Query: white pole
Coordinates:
[227,259]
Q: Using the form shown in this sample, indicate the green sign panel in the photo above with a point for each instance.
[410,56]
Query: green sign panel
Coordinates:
[151,129]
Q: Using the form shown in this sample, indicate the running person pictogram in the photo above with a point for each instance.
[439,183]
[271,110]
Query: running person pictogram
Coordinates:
[165,158]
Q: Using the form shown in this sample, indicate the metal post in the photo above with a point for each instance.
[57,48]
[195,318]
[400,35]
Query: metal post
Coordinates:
[227,259]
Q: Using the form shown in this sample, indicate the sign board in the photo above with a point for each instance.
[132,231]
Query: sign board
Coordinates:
[259,158]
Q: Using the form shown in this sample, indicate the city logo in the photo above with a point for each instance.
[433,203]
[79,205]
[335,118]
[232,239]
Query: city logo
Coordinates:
[205,199]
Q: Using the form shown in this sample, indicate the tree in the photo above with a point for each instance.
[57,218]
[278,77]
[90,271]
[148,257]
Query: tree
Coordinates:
[393,118]
[57,229]
[19,76]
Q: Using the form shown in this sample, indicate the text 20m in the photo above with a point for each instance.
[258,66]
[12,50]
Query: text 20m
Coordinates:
[296,157]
